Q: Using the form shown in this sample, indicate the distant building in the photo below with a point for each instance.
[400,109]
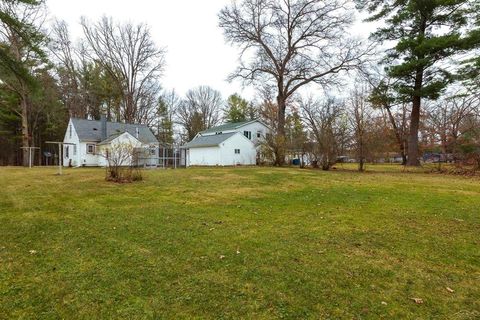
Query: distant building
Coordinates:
[227,145]
[87,139]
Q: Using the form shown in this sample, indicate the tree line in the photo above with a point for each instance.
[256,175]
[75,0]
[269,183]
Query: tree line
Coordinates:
[414,89]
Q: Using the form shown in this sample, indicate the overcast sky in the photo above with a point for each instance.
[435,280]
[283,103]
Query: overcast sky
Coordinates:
[196,51]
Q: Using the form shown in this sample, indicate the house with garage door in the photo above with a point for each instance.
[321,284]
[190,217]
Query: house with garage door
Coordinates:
[88,141]
[230,144]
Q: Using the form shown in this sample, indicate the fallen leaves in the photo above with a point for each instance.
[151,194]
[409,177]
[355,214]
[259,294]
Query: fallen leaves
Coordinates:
[417,300]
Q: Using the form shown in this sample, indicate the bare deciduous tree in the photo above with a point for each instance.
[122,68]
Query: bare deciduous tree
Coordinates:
[383,97]
[448,120]
[61,47]
[323,120]
[360,116]
[133,61]
[290,44]
[200,110]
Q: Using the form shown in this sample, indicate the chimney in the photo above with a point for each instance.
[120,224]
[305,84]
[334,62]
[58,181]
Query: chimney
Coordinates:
[103,120]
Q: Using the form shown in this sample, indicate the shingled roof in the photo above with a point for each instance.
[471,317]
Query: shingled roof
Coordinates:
[228,126]
[208,141]
[91,130]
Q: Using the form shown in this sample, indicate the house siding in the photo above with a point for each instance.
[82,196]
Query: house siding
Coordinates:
[124,138]
[207,156]
[73,138]
[224,154]
[253,127]
[82,157]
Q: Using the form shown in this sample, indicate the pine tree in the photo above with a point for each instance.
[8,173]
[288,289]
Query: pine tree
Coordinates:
[425,33]
[238,109]
[21,56]
[26,33]
[165,122]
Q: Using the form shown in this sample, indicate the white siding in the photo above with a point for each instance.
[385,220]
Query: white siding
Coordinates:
[81,157]
[224,154]
[208,156]
[71,137]
[88,159]
[125,138]
[254,127]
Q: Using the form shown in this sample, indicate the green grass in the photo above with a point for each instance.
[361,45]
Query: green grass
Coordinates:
[253,243]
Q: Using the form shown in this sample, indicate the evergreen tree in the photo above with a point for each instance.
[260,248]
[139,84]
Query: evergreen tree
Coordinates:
[238,109]
[24,31]
[165,121]
[295,131]
[21,59]
[425,33]
[470,74]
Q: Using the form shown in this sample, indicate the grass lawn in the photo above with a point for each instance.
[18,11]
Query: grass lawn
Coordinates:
[253,243]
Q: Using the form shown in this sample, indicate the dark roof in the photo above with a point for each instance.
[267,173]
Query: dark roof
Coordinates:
[228,126]
[208,141]
[91,130]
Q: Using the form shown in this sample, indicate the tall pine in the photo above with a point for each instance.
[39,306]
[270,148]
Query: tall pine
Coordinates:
[424,34]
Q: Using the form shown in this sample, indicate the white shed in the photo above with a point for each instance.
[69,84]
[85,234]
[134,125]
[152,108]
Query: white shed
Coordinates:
[223,149]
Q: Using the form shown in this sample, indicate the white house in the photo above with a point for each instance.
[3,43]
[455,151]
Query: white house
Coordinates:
[88,141]
[226,145]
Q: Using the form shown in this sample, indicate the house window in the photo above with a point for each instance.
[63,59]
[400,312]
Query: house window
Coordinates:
[74,150]
[66,152]
[237,151]
[259,134]
[70,131]
[248,134]
[152,152]
[90,148]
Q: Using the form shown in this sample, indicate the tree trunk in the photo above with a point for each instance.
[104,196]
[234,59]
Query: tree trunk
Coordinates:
[413,151]
[129,108]
[280,139]
[404,157]
[398,136]
[361,155]
[25,133]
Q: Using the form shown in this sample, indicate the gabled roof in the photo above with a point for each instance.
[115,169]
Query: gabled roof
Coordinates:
[113,137]
[229,126]
[91,130]
[208,141]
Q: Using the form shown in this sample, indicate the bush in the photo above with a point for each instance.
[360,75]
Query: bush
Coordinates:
[121,164]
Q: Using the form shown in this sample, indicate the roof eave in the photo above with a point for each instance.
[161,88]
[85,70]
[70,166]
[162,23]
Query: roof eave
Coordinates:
[199,146]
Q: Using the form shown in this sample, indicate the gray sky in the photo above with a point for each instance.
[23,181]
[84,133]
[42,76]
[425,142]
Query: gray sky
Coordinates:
[196,51]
